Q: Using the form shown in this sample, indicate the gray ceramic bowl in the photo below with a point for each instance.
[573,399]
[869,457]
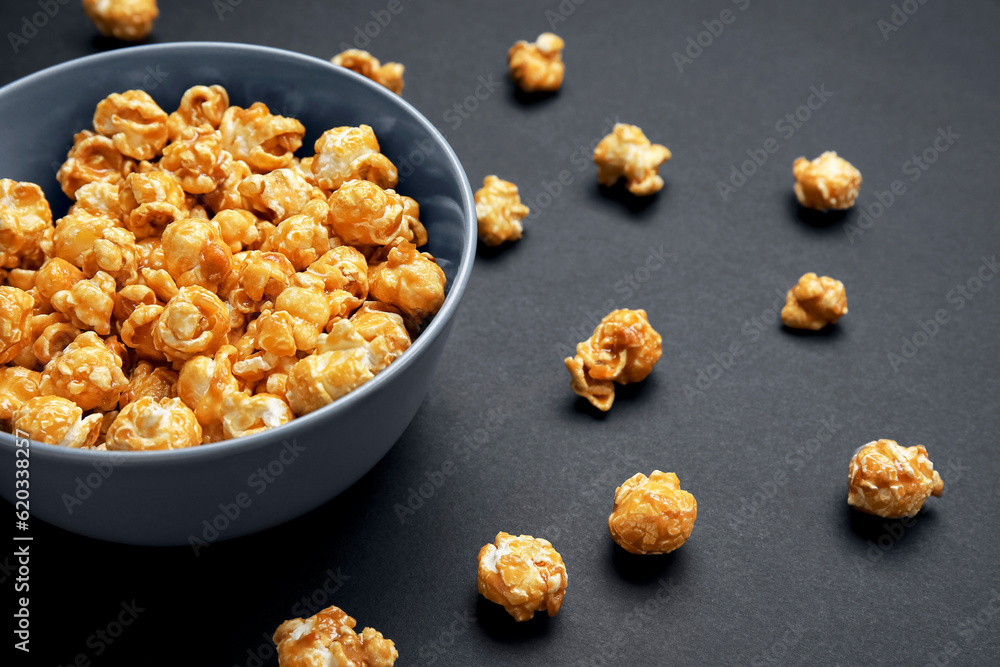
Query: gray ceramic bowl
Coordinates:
[238,487]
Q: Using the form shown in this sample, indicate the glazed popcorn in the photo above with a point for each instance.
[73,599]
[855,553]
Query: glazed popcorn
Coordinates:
[652,515]
[327,639]
[389,75]
[623,348]
[627,153]
[828,182]
[814,302]
[499,211]
[537,66]
[129,20]
[205,279]
[523,574]
[57,421]
[891,481]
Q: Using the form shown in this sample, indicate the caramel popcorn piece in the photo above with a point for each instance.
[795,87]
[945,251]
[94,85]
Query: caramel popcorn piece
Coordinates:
[98,198]
[25,225]
[499,211]
[93,159]
[128,20]
[276,195]
[413,230]
[16,307]
[264,141]
[891,481]
[194,322]
[247,415]
[156,382]
[300,238]
[238,228]
[149,424]
[89,303]
[17,386]
[116,253]
[87,372]
[523,574]
[409,280]
[362,213]
[389,75]
[195,254]
[57,421]
[298,318]
[227,194]
[327,639]
[351,153]
[623,348]
[135,123]
[828,182]
[627,153]
[341,269]
[200,105]
[262,275]
[538,66]
[52,339]
[206,385]
[151,201]
[814,302]
[373,320]
[652,515]
[195,159]
[74,238]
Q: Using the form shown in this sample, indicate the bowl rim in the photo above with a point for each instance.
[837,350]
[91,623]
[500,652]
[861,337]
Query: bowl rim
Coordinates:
[288,431]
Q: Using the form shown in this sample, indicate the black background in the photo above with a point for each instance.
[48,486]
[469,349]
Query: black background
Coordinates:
[778,570]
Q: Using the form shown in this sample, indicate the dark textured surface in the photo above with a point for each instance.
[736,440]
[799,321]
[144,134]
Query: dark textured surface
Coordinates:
[777,569]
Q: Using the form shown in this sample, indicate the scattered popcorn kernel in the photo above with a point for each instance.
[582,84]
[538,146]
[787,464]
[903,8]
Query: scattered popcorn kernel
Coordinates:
[409,280]
[156,382]
[301,239]
[500,211]
[194,322]
[537,66]
[88,303]
[57,421]
[524,574]
[327,639]
[623,348]
[814,302]
[25,225]
[246,415]
[652,515]
[195,254]
[265,142]
[200,105]
[626,152]
[17,386]
[134,122]
[891,481]
[149,424]
[351,153]
[16,307]
[362,213]
[238,228]
[93,159]
[87,372]
[149,202]
[389,75]
[195,159]
[128,20]
[277,195]
[827,182]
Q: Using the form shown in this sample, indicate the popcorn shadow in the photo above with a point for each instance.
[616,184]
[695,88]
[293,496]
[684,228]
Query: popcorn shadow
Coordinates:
[871,529]
[501,627]
[536,99]
[643,569]
[821,221]
[106,43]
[492,252]
[624,393]
[830,332]
[619,194]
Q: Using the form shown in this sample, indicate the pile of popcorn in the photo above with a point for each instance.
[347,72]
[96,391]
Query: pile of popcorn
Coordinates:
[206,283]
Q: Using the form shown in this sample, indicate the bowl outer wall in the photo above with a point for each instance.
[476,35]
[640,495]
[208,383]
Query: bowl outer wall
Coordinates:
[162,498]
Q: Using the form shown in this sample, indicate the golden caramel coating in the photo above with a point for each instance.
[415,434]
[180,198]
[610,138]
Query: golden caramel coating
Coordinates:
[523,574]
[300,238]
[56,275]
[156,382]
[409,280]
[277,195]
[265,142]
[375,320]
[298,318]
[652,515]
[52,339]
[117,254]
[16,308]
[327,639]
[89,303]
[128,20]
[362,213]
[151,201]
[149,424]
[537,66]
[135,123]
[499,211]
[87,372]
[891,481]
[194,322]
[238,229]
[74,238]
[93,159]
[195,159]
[227,194]
[246,415]
[205,384]
[262,276]
[351,153]
[195,254]
[814,302]
[17,386]
[828,182]
[25,225]
[57,421]
[623,348]
[413,230]
[200,105]
[389,75]
[341,269]
[626,152]
[98,198]
[137,331]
